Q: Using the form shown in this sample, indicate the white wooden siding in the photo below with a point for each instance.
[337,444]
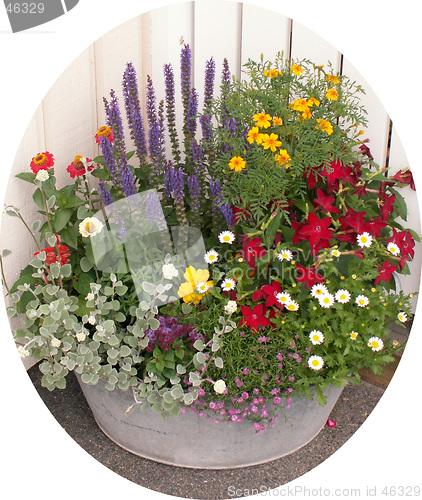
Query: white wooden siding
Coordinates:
[71,112]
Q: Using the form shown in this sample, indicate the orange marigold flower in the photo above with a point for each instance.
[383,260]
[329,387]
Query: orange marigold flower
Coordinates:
[307,114]
[42,161]
[324,125]
[271,142]
[296,69]
[313,102]
[277,121]
[237,163]
[254,135]
[263,120]
[300,105]
[106,132]
[332,94]
[282,158]
[332,78]
[274,73]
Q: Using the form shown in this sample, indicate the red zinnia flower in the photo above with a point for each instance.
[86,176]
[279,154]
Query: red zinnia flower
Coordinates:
[43,161]
[106,132]
[385,272]
[255,318]
[77,167]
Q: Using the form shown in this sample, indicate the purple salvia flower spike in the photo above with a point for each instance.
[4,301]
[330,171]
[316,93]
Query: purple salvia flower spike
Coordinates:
[133,111]
[171,111]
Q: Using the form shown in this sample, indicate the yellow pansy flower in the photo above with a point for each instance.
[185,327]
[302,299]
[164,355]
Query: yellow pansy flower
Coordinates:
[193,277]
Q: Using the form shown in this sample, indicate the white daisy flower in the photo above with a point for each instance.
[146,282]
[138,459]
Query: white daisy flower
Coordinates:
[315,362]
[375,343]
[326,300]
[202,287]
[231,307]
[335,253]
[342,296]
[228,284]
[393,248]
[318,291]
[211,257]
[364,240]
[362,301]
[401,316]
[292,306]
[316,337]
[226,237]
[354,335]
[285,255]
[283,297]
[90,227]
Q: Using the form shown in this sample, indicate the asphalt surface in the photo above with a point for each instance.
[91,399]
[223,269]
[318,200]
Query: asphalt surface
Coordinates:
[73,413]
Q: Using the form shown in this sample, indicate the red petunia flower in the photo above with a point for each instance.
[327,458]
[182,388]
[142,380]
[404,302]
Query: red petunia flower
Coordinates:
[255,318]
[252,249]
[316,231]
[308,275]
[386,203]
[385,272]
[325,201]
[43,161]
[79,166]
[405,176]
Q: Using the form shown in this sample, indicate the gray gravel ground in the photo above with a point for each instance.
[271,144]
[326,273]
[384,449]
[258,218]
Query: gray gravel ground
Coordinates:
[72,412]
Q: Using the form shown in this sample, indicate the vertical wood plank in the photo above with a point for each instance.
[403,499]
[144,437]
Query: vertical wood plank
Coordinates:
[397,161]
[68,120]
[264,32]
[306,44]
[378,120]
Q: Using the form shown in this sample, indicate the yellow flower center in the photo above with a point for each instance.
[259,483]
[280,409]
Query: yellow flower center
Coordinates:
[40,159]
[315,362]
[104,131]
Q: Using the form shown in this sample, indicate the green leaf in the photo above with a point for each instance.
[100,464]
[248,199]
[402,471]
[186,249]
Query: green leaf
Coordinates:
[61,218]
[26,176]
[271,230]
[85,264]
[199,345]
[68,236]
[101,174]
[38,198]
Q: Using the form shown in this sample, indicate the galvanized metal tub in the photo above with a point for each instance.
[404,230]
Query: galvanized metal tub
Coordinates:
[197,442]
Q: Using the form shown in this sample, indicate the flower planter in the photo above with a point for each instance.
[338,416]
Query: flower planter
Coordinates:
[197,442]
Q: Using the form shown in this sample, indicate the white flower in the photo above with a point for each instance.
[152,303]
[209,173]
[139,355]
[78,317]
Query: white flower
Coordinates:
[92,320]
[364,240]
[326,300]
[316,337]
[375,343]
[55,342]
[318,291]
[211,256]
[42,175]
[354,335]
[401,316]
[202,287]
[80,337]
[343,296]
[231,307]
[292,306]
[169,271]
[335,253]
[362,301]
[283,297]
[393,248]
[23,353]
[228,284]
[219,386]
[285,255]
[226,237]
[90,227]
[315,362]
[90,296]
